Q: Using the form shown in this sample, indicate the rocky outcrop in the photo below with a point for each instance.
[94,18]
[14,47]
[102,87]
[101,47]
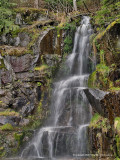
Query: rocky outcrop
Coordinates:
[95,96]
[21,64]
[106,104]
[29,58]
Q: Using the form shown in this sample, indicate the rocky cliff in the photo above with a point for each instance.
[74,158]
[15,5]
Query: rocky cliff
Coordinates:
[29,59]
[103,94]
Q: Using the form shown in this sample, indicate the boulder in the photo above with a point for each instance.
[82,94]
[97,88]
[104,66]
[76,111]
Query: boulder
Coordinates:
[13,120]
[106,104]
[94,97]
[22,63]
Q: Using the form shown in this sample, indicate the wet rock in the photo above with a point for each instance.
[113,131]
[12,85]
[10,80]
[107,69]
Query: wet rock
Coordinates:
[94,97]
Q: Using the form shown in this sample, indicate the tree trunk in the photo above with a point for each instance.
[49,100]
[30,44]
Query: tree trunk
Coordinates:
[36,4]
[74,5]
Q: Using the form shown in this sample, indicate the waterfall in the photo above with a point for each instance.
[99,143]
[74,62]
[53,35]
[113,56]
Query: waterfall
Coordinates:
[66,131]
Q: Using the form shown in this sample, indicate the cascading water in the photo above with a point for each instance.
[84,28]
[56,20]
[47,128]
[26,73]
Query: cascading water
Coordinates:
[66,133]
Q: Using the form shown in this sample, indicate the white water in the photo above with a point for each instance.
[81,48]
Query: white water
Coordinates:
[66,130]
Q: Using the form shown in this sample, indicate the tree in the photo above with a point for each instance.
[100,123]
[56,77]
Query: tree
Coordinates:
[36,3]
[74,5]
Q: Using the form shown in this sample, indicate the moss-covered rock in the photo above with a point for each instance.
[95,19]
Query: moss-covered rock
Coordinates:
[7,127]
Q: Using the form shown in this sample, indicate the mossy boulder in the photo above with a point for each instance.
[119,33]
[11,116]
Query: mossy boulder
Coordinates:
[30,14]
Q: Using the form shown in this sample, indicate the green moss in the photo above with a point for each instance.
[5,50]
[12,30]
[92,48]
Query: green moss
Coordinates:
[68,44]
[101,34]
[2,65]
[117,138]
[95,120]
[39,84]
[19,138]
[41,68]
[103,69]
[100,122]
[114,89]
[92,80]
[30,14]
[9,113]
[99,78]
[7,127]
[117,123]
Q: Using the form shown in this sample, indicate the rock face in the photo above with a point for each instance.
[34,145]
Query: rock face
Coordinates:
[29,58]
[111,106]
[103,133]
[21,64]
[94,97]
[106,104]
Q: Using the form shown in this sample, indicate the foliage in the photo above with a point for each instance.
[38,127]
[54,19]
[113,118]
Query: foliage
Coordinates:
[109,12]
[117,138]
[100,122]
[107,2]
[117,123]
[68,44]
[103,69]
[99,78]
[19,138]
[39,84]
[6,18]
[92,80]
[69,26]
[2,65]
[95,118]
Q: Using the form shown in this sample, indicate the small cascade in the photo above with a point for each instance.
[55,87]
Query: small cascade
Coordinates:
[66,131]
